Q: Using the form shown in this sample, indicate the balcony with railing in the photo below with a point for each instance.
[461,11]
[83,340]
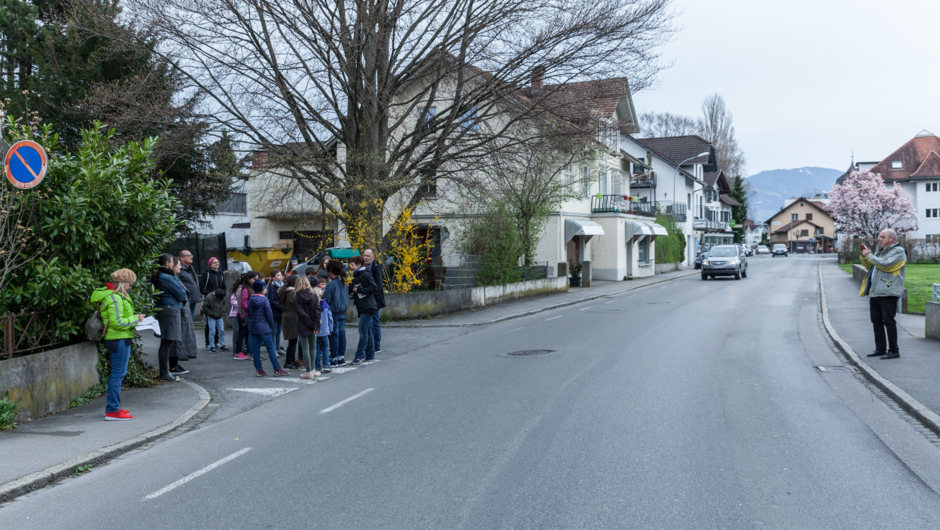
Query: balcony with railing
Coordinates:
[617,204]
[677,210]
[710,222]
[642,180]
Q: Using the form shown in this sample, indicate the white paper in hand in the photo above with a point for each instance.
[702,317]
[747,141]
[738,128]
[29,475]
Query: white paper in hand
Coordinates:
[149,323]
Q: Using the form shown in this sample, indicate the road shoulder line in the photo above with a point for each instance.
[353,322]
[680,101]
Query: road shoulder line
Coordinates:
[927,417]
[34,481]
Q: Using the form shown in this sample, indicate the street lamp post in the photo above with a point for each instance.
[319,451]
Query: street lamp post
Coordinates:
[675,175]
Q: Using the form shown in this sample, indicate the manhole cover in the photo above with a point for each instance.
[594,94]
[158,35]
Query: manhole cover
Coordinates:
[529,353]
[828,369]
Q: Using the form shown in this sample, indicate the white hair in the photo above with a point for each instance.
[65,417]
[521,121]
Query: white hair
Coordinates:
[890,233]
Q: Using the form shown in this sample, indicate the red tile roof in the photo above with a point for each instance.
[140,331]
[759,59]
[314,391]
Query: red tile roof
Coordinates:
[911,155]
[930,167]
[793,224]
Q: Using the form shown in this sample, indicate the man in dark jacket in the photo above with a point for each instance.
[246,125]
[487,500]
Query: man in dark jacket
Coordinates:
[362,290]
[211,280]
[190,280]
[378,276]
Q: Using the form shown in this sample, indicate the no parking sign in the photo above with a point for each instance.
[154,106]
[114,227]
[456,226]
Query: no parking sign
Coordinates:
[25,164]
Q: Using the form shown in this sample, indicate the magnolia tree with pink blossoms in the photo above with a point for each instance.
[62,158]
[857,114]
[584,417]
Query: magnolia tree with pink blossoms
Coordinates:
[863,206]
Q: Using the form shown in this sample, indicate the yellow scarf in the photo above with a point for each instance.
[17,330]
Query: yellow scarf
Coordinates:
[895,270]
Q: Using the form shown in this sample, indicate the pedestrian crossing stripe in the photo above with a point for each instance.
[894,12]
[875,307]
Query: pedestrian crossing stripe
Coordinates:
[273,392]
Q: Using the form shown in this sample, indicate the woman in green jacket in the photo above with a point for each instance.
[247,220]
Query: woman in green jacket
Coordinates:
[117,312]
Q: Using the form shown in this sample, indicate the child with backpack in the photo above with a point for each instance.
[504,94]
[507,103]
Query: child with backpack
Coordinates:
[213,307]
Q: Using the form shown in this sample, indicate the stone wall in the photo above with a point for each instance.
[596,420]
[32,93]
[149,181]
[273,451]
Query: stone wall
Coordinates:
[932,321]
[46,382]
[667,267]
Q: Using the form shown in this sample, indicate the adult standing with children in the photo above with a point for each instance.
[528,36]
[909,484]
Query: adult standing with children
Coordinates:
[190,280]
[210,281]
[362,290]
[884,284]
[378,276]
[117,313]
[336,296]
[171,300]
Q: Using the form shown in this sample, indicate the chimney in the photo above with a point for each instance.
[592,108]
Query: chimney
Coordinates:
[538,73]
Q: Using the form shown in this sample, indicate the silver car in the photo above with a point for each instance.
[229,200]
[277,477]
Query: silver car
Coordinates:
[724,260]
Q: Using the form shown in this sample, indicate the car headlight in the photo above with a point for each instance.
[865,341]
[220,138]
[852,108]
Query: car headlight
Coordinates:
[704,261]
[734,262]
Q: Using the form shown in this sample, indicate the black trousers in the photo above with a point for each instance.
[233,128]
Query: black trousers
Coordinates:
[883,309]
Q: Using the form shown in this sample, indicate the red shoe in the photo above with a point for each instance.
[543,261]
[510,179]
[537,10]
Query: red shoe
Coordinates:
[120,415]
[280,372]
[262,373]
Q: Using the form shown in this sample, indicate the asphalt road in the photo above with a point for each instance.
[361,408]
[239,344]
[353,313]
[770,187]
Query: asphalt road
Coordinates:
[689,404]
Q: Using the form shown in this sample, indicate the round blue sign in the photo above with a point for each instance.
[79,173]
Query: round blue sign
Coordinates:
[25,164]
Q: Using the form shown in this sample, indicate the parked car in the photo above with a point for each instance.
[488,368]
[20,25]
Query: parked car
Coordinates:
[780,249]
[338,253]
[724,260]
[698,258]
[762,249]
[744,248]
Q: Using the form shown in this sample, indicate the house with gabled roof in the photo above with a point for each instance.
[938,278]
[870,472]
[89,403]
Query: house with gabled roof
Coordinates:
[805,226]
[915,166]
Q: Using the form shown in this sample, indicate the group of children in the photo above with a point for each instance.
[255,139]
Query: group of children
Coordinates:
[308,310]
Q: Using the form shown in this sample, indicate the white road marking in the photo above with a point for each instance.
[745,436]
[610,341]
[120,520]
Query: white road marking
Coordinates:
[343,369]
[631,296]
[347,400]
[197,474]
[273,392]
[585,308]
[510,331]
[553,318]
[612,301]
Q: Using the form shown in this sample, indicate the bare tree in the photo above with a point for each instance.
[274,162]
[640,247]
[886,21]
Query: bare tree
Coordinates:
[359,100]
[666,124]
[715,126]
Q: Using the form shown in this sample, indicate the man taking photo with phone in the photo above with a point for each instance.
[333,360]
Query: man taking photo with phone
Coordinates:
[884,284]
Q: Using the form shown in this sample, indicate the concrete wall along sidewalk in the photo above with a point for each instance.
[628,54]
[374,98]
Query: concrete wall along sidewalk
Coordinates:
[46,382]
[427,304]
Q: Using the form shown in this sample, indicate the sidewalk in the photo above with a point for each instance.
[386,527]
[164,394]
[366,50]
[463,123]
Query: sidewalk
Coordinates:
[914,374]
[52,447]
[537,304]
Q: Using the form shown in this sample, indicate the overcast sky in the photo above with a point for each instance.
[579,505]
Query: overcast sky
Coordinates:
[807,80]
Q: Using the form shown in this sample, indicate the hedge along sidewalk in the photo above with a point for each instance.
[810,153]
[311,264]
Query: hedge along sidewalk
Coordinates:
[47,449]
[538,303]
[910,380]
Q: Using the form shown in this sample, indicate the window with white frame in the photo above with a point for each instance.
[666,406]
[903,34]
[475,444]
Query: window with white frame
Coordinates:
[794,216]
[569,175]
[585,181]
[643,250]
[897,164]
[427,118]
[605,182]
[470,120]
[931,186]
[933,212]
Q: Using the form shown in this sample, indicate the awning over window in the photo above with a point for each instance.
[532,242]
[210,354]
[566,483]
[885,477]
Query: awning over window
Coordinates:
[637,230]
[582,227]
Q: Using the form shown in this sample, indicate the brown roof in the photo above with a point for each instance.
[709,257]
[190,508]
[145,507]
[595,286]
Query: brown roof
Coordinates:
[792,224]
[749,224]
[817,205]
[930,167]
[728,200]
[911,155]
[678,148]
[583,101]
[718,180]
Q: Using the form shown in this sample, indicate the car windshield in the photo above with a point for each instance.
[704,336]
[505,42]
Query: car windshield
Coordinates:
[727,252]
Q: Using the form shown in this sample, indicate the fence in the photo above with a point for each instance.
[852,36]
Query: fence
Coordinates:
[463,274]
[203,247]
[27,333]
[918,250]
[534,272]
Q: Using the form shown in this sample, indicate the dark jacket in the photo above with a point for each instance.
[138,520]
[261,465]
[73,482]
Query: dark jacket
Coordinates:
[336,295]
[365,295]
[210,281]
[173,295]
[275,300]
[213,307]
[308,313]
[191,283]
[289,315]
[260,319]
[378,276]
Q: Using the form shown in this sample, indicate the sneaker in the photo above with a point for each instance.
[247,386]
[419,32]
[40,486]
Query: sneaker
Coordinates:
[309,375]
[168,377]
[241,356]
[211,350]
[326,370]
[261,373]
[120,415]
[280,372]
[223,348]
[356,362]
[191,357]
[378,350]
[340,361]
[178,370]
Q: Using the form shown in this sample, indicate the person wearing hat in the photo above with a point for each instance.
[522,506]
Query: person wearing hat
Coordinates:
[211,280]
[261,328]
[117,313]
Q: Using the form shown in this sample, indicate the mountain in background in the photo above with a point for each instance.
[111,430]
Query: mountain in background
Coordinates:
[772,188]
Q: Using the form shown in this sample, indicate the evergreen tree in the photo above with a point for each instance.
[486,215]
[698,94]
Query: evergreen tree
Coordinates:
[739,213]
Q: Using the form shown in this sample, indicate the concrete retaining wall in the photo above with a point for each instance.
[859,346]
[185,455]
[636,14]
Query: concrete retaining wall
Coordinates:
[46,382]
[660,268]
[418,305]
[932,322]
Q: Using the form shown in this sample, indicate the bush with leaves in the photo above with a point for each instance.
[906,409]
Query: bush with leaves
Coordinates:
[492,235]
[671,248]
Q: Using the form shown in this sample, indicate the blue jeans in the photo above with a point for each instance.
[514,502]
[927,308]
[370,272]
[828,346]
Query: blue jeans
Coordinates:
[278,326]
[338,337]
[254,344]
[377,330]
[192,310]
[120,351]
[216,332]
[366,348]
[323,352]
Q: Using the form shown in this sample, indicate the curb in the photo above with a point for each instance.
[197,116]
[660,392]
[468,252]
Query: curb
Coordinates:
[927,417]
[535,311]
[40,479]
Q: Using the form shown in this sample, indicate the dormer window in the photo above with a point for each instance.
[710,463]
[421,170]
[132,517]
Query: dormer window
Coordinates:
[897,164]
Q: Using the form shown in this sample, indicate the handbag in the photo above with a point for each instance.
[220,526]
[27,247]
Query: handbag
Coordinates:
[95,327]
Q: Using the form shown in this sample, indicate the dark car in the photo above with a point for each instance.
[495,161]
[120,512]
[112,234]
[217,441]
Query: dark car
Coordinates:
[724,260]
[338,253]
[780,250]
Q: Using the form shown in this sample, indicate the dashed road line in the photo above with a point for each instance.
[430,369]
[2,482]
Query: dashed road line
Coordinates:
[347,400]
[585,308]
[553,318]
[273,392]
[510,331]
[197,474]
